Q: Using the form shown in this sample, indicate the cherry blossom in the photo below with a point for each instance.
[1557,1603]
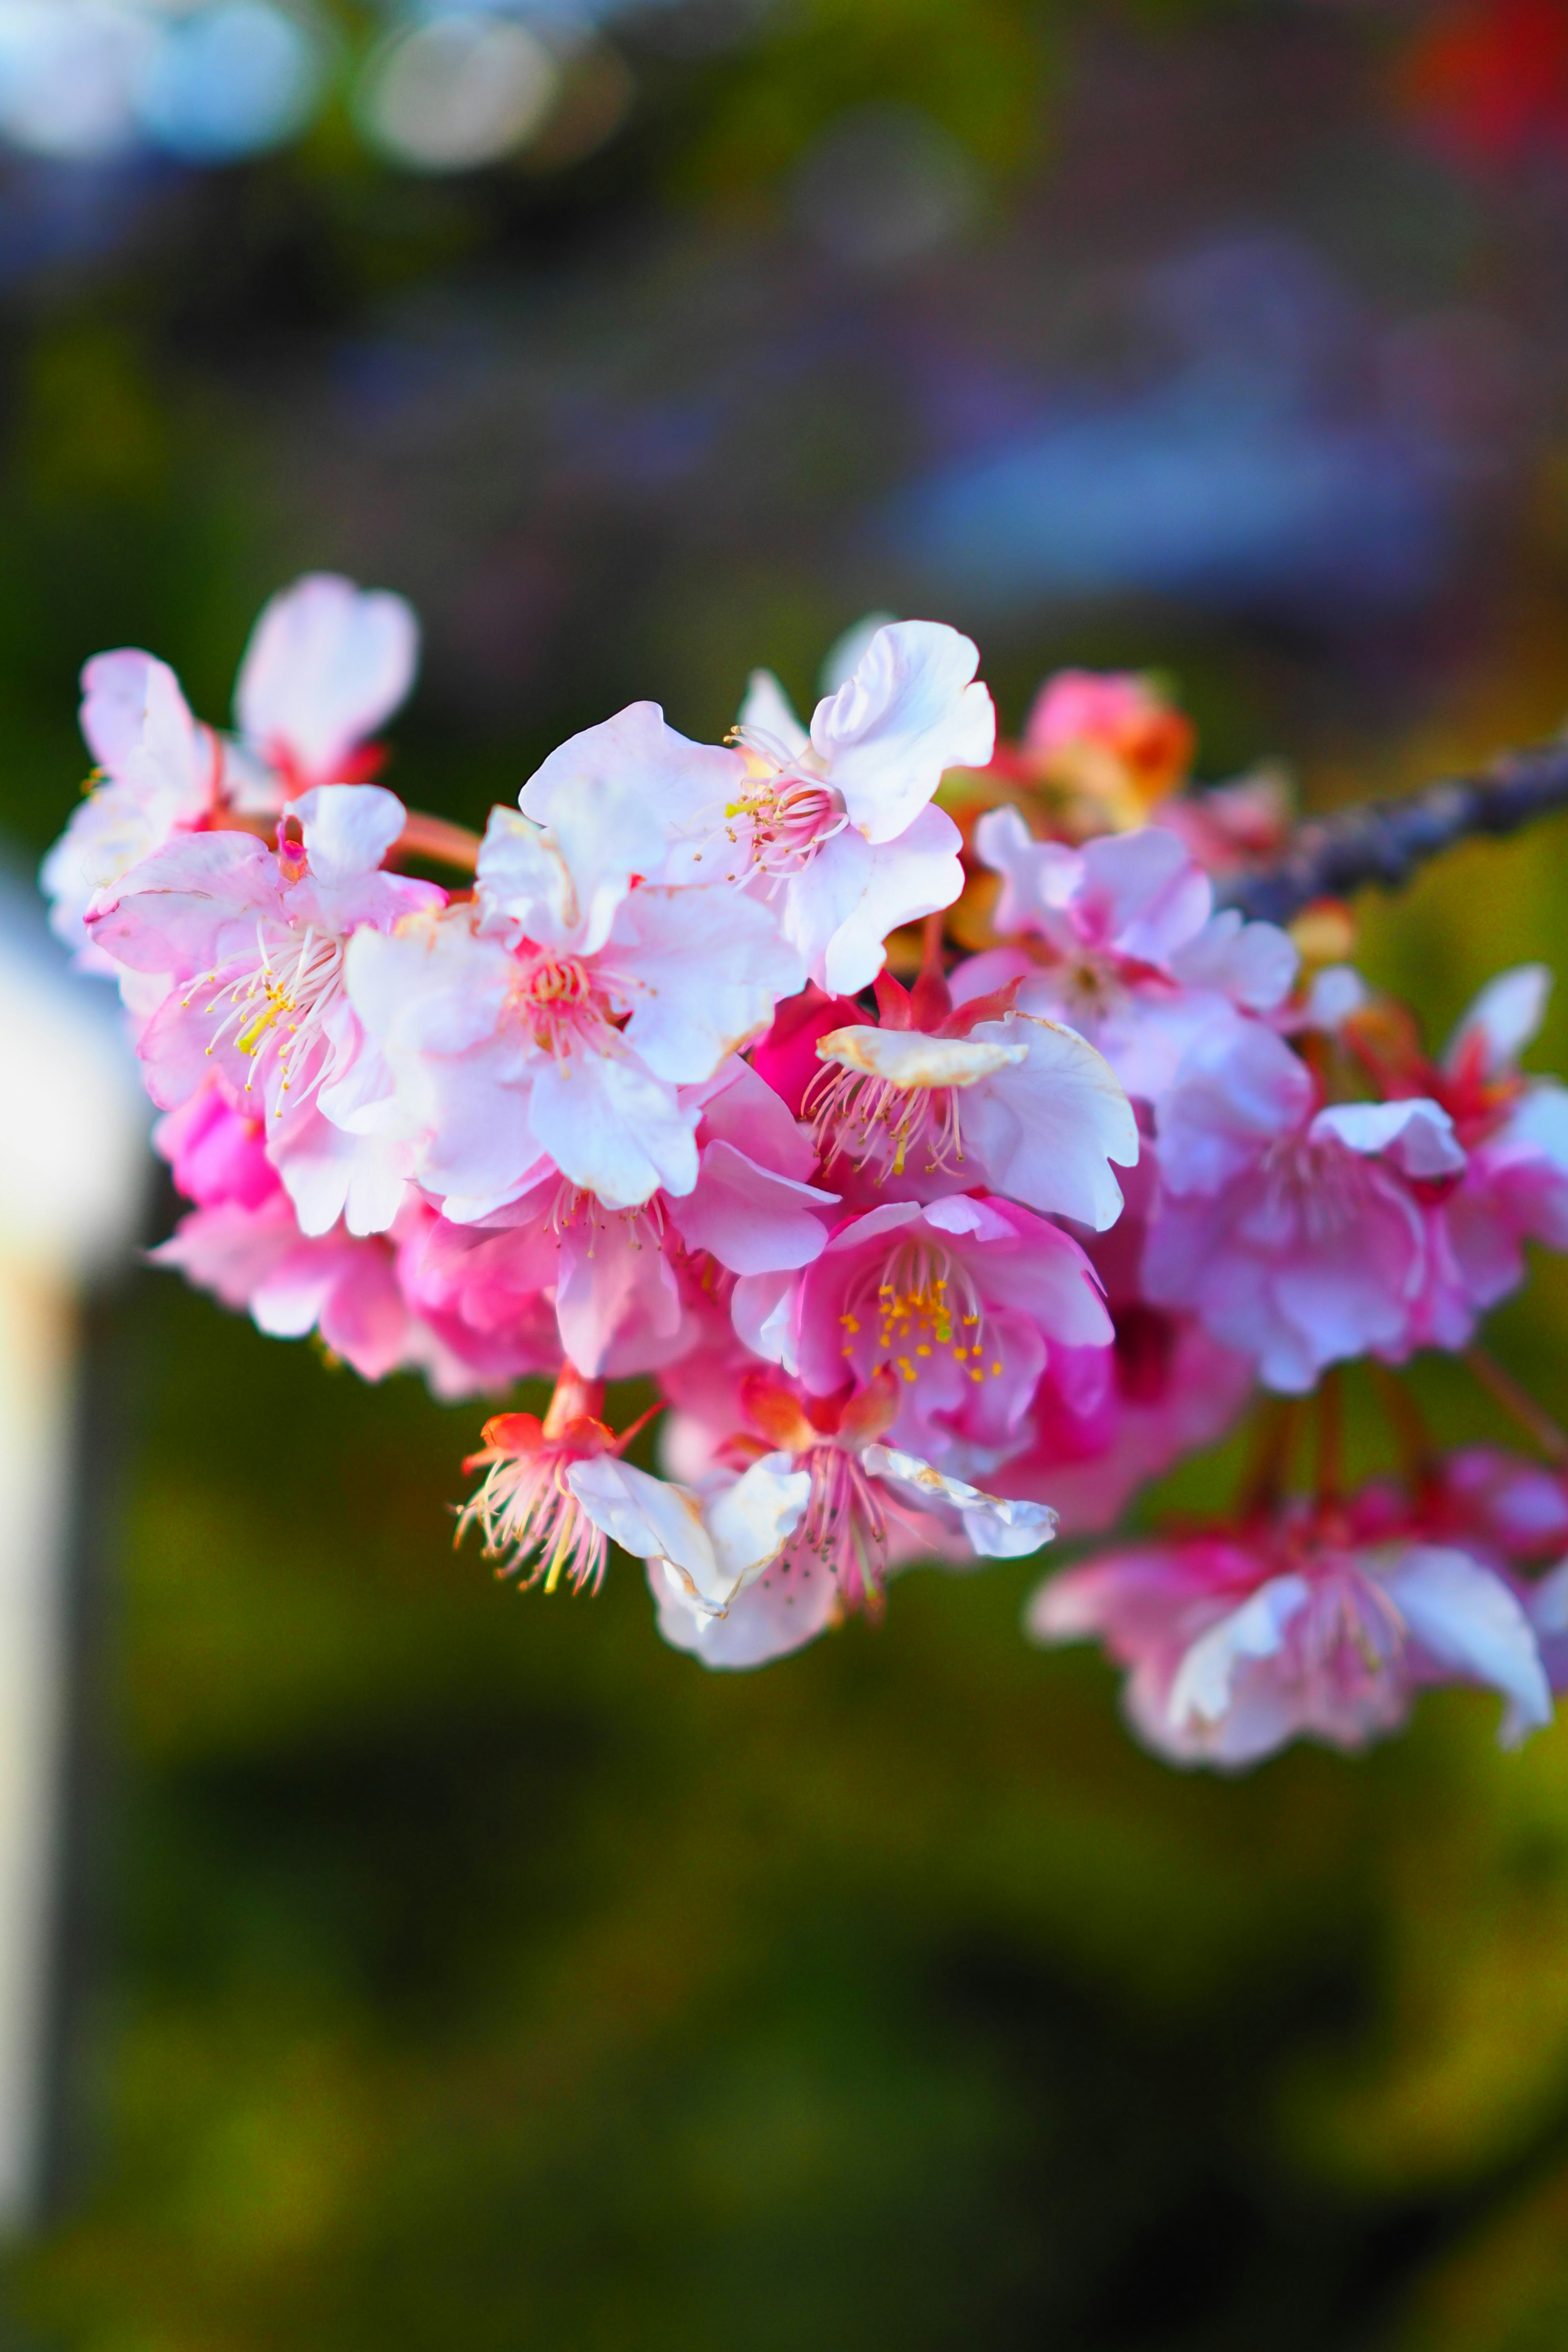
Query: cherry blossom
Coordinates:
[1292,1230]
[256,939]
[555,1019]
[1120,941]
[326,664]
[962,1301]
[834,826]
[870,1508]
[1238,1643]
[625,1284]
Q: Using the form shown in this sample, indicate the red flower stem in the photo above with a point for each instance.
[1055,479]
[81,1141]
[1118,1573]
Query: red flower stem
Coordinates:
[1517,1401]
[1408,1423]
[1273,1445]
[1331,1403]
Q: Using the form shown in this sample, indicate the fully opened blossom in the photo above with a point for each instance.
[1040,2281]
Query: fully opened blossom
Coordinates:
[960,1302]
[1237,1642]
[869,1508]
[831,828]
[1513,1128]
[625,1284]
[326,664]
[932,1099]
[1120,941]
[1293,1230]
[256,941]
[554,1019]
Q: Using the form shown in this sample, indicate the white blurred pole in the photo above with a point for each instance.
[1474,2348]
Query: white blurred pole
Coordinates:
[72,1160]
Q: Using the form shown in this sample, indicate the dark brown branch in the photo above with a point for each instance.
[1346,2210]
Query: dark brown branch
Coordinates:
[1383,841]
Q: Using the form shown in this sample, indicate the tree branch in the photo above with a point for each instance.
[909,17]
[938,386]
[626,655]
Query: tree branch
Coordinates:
[1383,841]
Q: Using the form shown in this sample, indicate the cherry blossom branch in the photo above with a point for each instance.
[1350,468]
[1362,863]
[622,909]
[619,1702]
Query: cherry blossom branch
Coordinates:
[1383,842]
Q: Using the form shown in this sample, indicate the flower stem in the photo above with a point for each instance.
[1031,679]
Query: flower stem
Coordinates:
[1517,1401]
[1408,1423]
[1331,1439]
[433,838]
[1274,1442]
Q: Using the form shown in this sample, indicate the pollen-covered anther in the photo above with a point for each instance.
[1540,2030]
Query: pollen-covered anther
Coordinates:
[281,1006]
[923,1305]
[532,1520]
[881,1092]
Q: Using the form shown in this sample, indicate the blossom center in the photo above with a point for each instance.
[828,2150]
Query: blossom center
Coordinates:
[560,1001]
[845,1527]
[923,1305]
[275,1011]
[533,1523]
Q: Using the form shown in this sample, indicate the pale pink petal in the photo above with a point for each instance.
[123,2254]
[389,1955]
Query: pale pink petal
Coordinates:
[702,970]
[611,1127]
[909,713]
[1468,1623]
[652,1518]
[918,874]
[750,1220]
[1143,893]
[326,664]
[1046,1130]
[768,713]
[1417,1136]
[619,796]
[1503,1019]
[348,829]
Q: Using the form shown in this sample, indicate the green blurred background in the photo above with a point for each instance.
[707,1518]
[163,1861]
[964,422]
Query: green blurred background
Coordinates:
[460,1968]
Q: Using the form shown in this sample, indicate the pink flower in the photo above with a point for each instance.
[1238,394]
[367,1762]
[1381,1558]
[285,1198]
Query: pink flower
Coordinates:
[256,939]
[216,1153]
[554,1020]
[1514,1185]
[1294,1232]
[625,1285]
[163,776]
[528,1507]
[865,1508]
[835,828]
[557,1491]
[962,1302]
[1239,1643]
[935,1099]
[1122,943]
[326,664]
[1111,737]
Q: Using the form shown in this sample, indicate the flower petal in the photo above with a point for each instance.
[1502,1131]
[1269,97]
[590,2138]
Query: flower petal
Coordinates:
[908,712]
[327,662]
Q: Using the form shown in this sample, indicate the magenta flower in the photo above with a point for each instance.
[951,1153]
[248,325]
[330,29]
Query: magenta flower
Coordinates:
[1238,1643]
[962,1301]
[1119,940]
[554,1020]
[1294,1232]
[834,827]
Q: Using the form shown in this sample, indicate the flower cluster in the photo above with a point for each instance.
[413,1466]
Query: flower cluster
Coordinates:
[905,1109]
